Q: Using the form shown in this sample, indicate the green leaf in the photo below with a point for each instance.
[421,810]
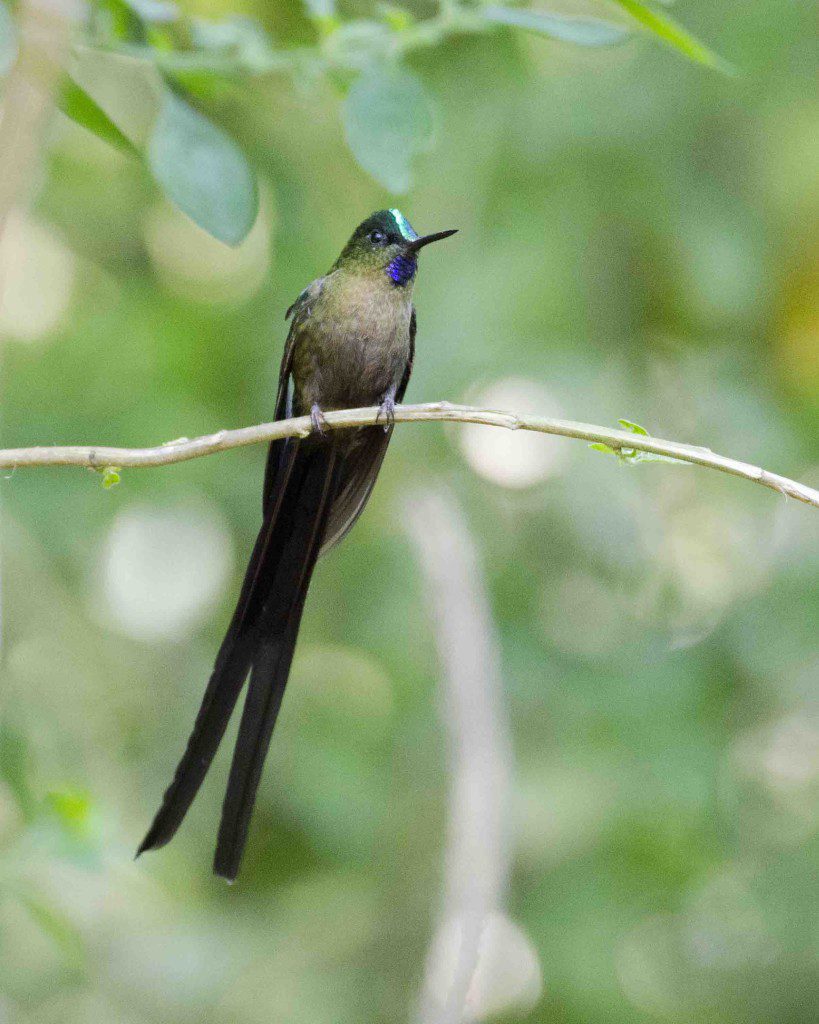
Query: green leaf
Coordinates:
[671,32]
[388,121]
[632,455]
[8,39]
[127,90]
[582,31]
[203,171]
[635,428]
[110,477]
[78,105]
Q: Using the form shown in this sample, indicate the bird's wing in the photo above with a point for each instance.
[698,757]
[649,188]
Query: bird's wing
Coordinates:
[277,452]
[402,387]
[361,467]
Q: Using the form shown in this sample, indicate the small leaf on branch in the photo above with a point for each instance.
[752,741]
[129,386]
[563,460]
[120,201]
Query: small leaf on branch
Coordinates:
[582,31]
[632,455]
[110,476]
[635,428]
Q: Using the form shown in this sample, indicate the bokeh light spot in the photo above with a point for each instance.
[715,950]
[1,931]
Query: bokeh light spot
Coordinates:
[164,569]
[191,263]
[515,459]
[507,977]
[37,273]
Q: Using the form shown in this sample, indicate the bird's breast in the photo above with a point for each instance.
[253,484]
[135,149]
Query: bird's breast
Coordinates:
[355,344]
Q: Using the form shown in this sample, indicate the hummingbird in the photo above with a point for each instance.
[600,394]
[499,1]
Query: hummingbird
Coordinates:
[351,343]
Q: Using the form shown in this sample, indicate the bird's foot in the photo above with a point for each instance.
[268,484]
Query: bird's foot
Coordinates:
[387,410]
[318,420]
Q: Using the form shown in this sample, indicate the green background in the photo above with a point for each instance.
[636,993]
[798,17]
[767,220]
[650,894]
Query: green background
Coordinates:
[637,239]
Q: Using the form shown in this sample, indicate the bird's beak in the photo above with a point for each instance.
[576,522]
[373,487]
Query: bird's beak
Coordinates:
[419,243]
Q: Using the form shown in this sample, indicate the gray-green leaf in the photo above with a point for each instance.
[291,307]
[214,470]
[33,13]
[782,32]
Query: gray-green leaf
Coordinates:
[388,121]
[582,31]
[203,171]
[8,39]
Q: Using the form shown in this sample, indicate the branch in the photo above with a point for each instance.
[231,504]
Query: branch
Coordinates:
[99,457]
[477,865]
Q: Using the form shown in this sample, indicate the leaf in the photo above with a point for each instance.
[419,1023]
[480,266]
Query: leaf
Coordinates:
[635,428]
[582,31]
[8,39]
[671,32]
[78,105]
[388,121]
[110,477]
[632,455]
[199,167]
[203,171]
[128,91]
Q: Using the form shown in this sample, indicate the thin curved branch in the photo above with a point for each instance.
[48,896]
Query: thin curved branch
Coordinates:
[100,457]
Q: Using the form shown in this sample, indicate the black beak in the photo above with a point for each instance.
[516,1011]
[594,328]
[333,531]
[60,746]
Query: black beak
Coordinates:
[419,243]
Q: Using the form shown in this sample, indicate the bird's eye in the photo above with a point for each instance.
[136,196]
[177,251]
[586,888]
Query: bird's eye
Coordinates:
[377,237]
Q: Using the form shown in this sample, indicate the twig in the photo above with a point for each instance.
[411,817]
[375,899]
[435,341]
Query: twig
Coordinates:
[99,457]
[477,863]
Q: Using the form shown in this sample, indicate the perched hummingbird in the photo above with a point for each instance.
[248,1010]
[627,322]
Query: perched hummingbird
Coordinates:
[351,343]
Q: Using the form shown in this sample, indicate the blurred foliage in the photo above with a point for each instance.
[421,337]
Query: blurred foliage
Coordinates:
[638,237]
[142,63]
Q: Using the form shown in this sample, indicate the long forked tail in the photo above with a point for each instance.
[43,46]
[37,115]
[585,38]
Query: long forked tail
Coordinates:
[260,640]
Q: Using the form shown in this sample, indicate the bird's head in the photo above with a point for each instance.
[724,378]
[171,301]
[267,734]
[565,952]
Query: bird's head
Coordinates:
[386,242]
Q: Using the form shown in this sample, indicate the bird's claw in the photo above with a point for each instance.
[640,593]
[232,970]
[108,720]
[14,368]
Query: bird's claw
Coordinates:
[387,410]
[318,420]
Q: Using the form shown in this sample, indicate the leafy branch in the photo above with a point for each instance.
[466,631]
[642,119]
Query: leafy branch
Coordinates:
[621,442]
[142,75]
